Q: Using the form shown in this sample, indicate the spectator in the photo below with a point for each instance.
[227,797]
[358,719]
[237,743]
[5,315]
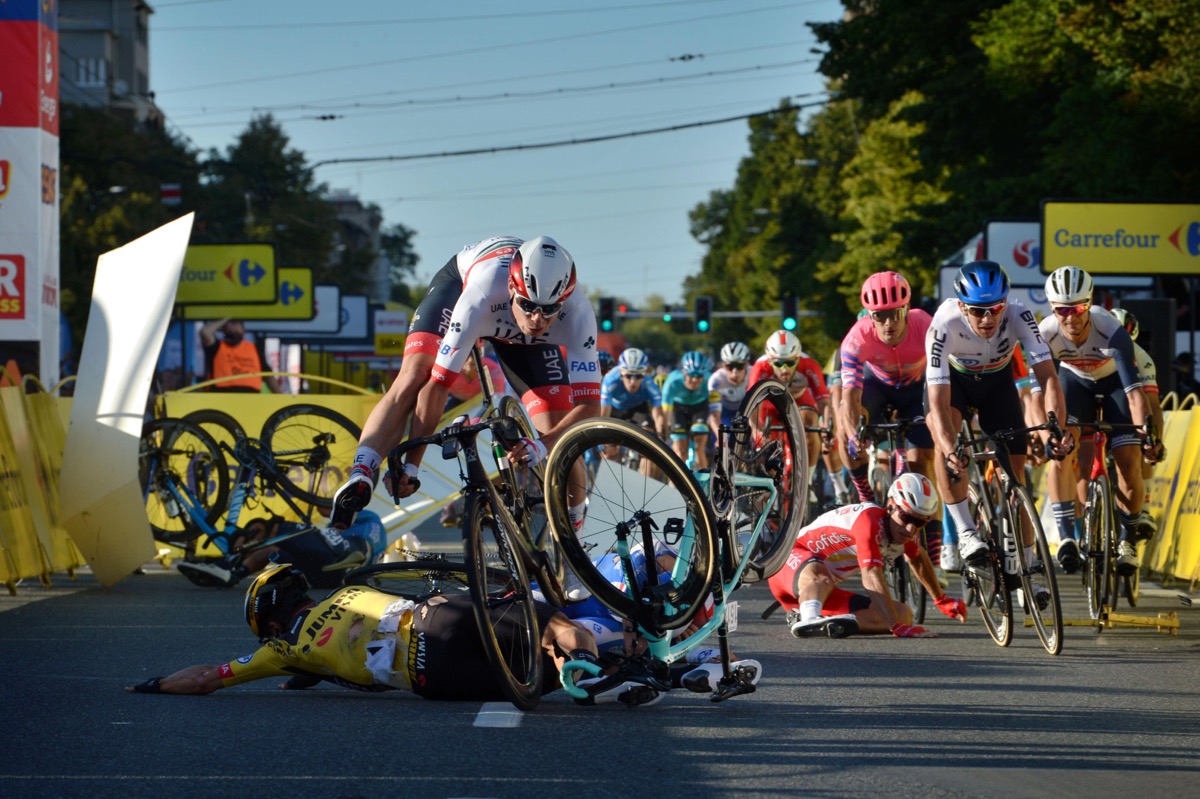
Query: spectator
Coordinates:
[234,358]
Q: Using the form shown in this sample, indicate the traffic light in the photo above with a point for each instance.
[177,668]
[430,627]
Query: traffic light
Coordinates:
[667,313]
[703,314]
[791,314]
[608,314]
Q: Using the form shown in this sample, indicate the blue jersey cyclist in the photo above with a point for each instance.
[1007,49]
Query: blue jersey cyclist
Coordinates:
[691,408]
[625,393]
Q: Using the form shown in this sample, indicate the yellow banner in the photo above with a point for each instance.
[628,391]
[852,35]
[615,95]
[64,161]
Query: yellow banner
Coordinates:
[391,329]
[1121,238]
[227,273]
[295,301]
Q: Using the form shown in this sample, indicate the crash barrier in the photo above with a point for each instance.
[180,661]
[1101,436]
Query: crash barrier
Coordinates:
[33,424]
[33,540]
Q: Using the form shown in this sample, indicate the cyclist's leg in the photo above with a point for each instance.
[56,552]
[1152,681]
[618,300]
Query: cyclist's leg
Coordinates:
[699,436]
[808,415]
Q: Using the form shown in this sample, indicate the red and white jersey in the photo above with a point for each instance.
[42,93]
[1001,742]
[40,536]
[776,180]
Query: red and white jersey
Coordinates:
[848,539]
[483,311]
[808,381]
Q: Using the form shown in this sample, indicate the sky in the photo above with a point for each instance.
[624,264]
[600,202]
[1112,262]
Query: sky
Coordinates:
[417,81]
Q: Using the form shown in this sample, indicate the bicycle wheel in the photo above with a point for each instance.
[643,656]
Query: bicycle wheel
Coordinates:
[775,448]
[314,449]
[417,580]
[1038,584]
[986,582]
[218,424]
[503,601]
[181,471]
[665,512]
[1096,535]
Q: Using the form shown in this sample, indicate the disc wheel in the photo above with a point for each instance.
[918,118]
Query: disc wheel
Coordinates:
[667,515]
[314,448]
[175,456]
[503,601]
[986,582]
[1038,582]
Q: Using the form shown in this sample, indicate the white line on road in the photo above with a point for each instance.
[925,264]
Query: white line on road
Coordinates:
[498,714]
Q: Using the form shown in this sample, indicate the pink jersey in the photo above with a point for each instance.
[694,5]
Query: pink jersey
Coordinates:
[898,366]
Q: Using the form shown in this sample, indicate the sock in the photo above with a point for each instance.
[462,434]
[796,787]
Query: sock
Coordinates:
[949,530]
[576,514]
[933,542]
[960,514]
[862,483]
[365,456]
[1064,516]
[1079,531]
[1126,523]
[810,609]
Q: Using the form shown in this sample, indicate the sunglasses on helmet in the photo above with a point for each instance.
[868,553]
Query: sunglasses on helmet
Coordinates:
[785,363]
[891,315]
[981,311]
[528,307]
[1067,311]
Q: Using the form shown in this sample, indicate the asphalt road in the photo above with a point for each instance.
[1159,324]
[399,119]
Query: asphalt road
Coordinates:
[1116,714]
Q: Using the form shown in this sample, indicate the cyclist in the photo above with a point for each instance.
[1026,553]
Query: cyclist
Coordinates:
[1095,355]
[607,361]
[520,296]
[862,537]
[729,380]
[369,640]
[968,350]
[625,393]
[691,409]
[784,361]
[883,365]
[1148,372]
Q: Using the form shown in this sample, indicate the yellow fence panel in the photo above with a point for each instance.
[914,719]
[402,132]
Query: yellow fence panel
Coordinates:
[18,532]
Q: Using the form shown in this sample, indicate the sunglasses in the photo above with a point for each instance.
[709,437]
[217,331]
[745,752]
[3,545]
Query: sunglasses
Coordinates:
[981,311]
[632,376]
[529,308]
[915,521]
[735,365]
[1067,311]
[788,364]
[893,315]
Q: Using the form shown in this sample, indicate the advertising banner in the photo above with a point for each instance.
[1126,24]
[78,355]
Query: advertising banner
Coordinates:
[327,316]
[228,274]
[29,117]
[1121,238]
[295,301]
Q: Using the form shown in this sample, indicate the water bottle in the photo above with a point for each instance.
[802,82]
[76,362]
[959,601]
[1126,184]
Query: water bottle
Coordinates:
[170,504]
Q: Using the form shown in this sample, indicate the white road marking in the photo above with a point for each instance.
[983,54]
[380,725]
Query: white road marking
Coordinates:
[498,714]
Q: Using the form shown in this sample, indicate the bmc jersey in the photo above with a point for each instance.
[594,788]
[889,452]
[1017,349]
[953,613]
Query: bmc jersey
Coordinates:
[808,381]
[483,311]
[848,539]
[613,393]
[898,366]
[674,392]
[731,394]
[951,343]
[1107,349]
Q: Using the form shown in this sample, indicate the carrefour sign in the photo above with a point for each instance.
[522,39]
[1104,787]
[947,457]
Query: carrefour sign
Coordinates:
[1121,238]
[228,273]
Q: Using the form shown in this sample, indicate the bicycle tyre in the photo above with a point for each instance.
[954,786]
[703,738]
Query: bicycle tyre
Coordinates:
[987,582]
[1096,535]
[176,453]
[501,596]
[792,482]
[223,427]
[674,502]
[310,469]
[1048,620]
[417,580]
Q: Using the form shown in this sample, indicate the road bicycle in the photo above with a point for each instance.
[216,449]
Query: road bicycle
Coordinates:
[1101,582]
[893,431]
[506,542]
[302,455]
[1004,515]
[706,529]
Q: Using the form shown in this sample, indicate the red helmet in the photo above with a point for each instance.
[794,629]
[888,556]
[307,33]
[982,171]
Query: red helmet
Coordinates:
[883,291]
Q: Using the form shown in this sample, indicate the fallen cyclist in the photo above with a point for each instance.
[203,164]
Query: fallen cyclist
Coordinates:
[862,538]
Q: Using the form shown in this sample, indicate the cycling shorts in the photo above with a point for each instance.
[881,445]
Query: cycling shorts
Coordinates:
[909,402]
[785,587]
[638,414]
[1080,395]
[689,420]
[994,395]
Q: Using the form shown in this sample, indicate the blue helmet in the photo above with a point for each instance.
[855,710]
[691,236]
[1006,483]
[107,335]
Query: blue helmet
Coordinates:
[607,361]
[695,364]
[981,283]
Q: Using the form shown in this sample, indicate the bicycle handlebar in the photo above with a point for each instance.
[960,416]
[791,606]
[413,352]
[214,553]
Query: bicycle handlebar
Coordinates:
[962,450]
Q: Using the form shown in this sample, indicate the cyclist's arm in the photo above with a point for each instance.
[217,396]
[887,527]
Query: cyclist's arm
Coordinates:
[431,402]
[1053,399]
[922,566]
[944,435]
[192,681]
[873,581]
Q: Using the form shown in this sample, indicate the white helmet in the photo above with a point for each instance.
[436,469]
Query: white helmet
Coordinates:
[633,362]
[783,345]
[735,352]
[914,494]
[542,271]
[1069,285]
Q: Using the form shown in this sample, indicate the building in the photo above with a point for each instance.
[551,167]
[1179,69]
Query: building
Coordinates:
[359,227]
[104,56]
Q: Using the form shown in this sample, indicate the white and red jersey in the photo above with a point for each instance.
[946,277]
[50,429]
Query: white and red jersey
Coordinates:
[483,311]
[1107,349]
[808,381]
[850,538]
[897,366]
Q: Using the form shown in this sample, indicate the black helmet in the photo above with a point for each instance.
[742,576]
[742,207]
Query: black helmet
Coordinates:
[274,595]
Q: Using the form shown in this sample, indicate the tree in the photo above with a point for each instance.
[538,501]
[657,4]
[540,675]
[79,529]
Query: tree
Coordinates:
[396,243]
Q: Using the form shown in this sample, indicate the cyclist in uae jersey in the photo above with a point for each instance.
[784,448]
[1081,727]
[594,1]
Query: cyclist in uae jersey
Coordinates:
[691,409]
[883,368]
[519,295]
[368,640]
[968,350]
[784,360]
[861,538]
[1095,355]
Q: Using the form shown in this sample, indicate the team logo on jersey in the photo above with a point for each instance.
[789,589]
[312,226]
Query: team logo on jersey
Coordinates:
[456,327]
[591,342]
